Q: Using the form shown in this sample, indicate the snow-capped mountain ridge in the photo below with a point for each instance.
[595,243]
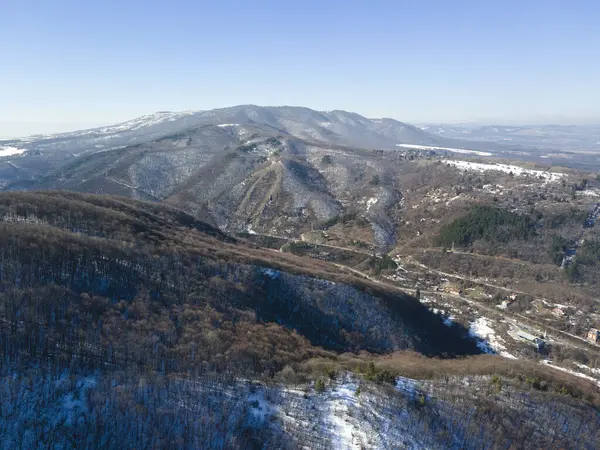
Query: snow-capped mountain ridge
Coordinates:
[335,127]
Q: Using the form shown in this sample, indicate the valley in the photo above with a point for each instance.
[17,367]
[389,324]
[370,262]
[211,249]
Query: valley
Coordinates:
[331,281]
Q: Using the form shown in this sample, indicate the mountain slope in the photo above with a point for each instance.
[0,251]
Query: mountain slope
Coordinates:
[127,324]
[119,249]
[240,178]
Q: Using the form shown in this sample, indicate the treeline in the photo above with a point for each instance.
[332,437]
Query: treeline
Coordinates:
[488,223]
[558,246]
[584,266]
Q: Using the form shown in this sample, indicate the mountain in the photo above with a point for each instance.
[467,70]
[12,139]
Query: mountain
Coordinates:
[330,127]
[130,324]
[39,153]
[242,168]
[285,278]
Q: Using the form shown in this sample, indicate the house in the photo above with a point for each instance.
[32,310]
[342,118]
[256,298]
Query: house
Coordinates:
[452,288]
[530,338]
[526,336]
[593,335]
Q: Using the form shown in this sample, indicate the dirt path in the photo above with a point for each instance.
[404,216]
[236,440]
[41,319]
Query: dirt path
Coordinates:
[296,241]
[130,186]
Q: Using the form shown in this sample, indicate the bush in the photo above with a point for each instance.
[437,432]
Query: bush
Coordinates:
[247,148]
[383,263]
[327,159]
[288,375]
[319,385]
[273,141]
[589,253]
[496,382]
[377,374]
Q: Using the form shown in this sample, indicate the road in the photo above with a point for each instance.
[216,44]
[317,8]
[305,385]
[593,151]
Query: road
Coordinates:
[514,319]
[296,241]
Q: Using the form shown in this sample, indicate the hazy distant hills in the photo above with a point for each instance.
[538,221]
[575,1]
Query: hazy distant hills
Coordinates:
[577,138]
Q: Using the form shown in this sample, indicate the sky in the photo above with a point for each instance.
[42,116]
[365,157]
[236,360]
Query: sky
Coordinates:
[68,64]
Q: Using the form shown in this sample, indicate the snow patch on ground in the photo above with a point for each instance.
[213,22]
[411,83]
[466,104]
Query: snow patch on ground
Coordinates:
[456,197]
[454,150]
[11,151]
[140,122]
[372,201]
[345,435]
[260,407]
[488,340]
[506,168]
[407,386]
[591,193]
[449,320]
[224,125]
[271,273]
[572,372]
[591,369]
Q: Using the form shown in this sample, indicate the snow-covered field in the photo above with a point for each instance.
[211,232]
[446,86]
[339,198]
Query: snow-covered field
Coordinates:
[489,341]
[506,168]
[454,150]
[11,151]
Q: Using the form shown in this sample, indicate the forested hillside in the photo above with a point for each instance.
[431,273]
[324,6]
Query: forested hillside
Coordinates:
[126,324]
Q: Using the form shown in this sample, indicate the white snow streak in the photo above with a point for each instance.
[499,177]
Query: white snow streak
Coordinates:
[572,372]
[506,168]
[10,151]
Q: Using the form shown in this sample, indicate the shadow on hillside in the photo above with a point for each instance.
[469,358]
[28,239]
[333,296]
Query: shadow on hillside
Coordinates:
[342,318]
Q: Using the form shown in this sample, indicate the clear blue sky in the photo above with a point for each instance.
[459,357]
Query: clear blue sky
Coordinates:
[67,62]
